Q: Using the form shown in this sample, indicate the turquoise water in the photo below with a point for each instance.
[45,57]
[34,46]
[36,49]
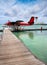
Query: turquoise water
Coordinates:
[1,28]
[35,27]
[36,42]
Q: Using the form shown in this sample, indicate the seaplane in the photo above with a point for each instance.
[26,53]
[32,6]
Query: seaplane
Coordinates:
[16,25]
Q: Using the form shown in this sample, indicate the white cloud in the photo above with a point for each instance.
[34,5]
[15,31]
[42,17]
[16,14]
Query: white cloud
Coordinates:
[22,11]
[6,3]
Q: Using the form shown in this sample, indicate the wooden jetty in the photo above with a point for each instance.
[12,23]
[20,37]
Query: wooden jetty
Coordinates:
[13,51]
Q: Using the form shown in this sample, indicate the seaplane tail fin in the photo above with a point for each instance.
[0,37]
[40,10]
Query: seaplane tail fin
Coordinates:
[31,22]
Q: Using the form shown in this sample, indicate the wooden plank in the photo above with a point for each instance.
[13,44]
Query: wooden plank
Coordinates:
[13,51]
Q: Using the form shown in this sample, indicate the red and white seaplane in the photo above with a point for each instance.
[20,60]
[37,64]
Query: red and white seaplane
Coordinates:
[17,24]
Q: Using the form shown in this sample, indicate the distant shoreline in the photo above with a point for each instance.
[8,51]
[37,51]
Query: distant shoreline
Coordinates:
[40,24]
[34,24]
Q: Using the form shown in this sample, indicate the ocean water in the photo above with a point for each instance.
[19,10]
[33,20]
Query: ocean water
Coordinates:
[35,27]
[35,41]
[1,28]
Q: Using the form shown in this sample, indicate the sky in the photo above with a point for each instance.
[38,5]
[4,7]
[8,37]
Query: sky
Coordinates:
[23,9]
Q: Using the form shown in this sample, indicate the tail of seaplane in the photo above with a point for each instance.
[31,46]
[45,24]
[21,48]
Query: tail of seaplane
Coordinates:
[31,21]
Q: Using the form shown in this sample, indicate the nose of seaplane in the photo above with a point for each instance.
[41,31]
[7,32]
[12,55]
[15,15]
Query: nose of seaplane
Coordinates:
[8,23]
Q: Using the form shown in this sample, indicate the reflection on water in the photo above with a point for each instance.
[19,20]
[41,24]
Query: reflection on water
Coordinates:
[30,34]
[36,41]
